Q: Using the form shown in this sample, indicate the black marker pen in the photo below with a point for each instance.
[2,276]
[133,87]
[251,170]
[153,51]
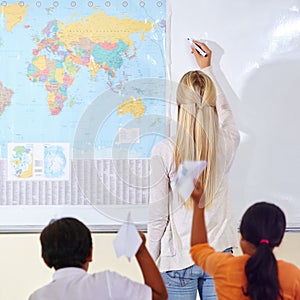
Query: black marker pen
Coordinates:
[197,47]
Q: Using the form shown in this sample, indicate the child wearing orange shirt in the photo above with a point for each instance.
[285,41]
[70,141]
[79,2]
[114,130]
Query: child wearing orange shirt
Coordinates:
[256,275]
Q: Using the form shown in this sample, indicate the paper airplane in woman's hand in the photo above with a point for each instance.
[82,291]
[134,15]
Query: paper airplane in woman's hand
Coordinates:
[128,240]
[187,172]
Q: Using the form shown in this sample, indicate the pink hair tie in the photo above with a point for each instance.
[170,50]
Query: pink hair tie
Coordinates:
[263,241]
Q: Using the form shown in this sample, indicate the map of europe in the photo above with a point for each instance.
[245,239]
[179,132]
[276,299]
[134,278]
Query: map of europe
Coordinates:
[58,57]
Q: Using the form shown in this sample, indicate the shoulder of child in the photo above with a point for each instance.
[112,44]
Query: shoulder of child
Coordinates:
[288,269]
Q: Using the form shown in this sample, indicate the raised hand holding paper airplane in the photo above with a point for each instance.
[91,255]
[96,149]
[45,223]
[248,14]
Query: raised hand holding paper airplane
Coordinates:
[187,172]
[128,240]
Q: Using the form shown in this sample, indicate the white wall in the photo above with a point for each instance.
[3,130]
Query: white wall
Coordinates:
[23,271]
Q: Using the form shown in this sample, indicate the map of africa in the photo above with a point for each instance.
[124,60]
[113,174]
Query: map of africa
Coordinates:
[57,58]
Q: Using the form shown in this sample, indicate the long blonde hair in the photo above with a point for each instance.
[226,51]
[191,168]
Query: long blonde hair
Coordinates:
[197,128]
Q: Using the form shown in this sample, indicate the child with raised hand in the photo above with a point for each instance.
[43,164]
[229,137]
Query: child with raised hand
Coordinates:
[67,247]
[255,275]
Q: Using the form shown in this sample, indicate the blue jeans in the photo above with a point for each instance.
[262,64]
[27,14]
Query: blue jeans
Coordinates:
[184,284]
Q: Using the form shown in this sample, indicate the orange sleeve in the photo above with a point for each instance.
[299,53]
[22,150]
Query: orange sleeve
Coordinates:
[208,259]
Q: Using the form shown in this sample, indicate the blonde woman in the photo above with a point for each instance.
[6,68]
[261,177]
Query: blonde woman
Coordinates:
[205,131]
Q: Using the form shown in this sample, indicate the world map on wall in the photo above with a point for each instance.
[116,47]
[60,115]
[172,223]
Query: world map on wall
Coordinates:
[58,57]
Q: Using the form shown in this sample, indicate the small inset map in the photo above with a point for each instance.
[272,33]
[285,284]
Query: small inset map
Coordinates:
[55,161]
[38,161]
[22,161]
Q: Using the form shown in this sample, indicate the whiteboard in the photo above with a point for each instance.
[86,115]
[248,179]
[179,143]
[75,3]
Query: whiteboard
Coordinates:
[256,58]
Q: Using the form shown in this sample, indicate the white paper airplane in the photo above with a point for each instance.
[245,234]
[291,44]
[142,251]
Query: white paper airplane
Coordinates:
[128,240]
[187,172]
